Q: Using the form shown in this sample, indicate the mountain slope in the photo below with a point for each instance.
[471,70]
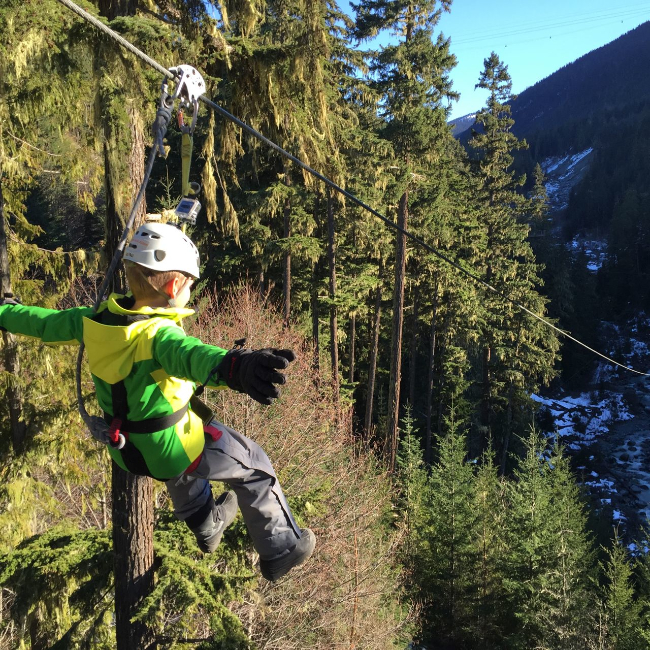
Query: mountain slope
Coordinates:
[610,78]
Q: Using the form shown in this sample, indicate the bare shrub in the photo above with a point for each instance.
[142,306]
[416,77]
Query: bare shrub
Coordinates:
[347,594]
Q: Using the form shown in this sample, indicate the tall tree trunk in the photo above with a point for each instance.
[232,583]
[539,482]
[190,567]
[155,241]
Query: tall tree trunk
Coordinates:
[353,339]
[136,161]
[432,359]
[374,345]
[133,518]
[331,258]
[511,393]
[315,315]
[414,345]
[487,357]
[392,432]
[443,351]
[287,255]
[132,508]
[114,225]
[118,209]
[133,512]
[506,436]
[315,303]
[14,394]
[485,400]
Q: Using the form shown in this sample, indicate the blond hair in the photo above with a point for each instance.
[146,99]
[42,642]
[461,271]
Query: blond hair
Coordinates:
[148,284]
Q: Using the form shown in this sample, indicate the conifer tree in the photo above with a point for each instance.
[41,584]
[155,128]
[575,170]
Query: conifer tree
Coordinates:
[14,393]
[549,556]
[538,212]
[621,609]
[412,500]
[491,514]
[517,352]
[366,243]
[449,577]
[276,75]
[411,78]
[43,130]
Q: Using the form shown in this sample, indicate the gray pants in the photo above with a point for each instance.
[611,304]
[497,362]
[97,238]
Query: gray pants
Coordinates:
[244,466]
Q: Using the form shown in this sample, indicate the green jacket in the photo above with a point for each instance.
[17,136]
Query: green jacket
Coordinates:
[150,352]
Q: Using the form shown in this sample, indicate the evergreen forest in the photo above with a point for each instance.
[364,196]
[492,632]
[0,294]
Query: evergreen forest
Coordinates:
[447,512]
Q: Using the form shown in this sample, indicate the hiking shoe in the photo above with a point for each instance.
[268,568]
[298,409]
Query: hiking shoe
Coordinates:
[224,512]
[274,569]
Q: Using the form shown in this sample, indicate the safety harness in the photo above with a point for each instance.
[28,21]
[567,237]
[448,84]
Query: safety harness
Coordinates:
[119,425]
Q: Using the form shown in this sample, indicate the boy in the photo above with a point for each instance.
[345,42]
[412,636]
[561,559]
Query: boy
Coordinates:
[145,368]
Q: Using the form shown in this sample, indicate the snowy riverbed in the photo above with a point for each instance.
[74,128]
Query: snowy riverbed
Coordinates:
[607,431]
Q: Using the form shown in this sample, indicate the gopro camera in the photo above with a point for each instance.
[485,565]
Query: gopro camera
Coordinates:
[187,210]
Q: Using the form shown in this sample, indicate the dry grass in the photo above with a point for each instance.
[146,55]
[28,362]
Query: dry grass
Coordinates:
[346,596]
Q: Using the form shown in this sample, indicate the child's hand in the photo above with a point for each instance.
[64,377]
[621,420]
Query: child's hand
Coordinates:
[255,372]
[9,299]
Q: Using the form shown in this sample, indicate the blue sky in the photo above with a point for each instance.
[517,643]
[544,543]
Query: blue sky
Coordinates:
[533,38]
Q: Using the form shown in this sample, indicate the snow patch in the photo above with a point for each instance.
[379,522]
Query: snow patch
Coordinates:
[581,419]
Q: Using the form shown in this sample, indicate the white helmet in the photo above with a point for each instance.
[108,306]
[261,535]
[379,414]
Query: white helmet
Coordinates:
[163,247]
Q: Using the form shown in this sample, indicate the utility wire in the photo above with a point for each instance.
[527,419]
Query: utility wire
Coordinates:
[516,31]
[418,240]
[556,37]
[579,15]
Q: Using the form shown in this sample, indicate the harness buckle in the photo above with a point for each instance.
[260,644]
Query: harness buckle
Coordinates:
[117,438]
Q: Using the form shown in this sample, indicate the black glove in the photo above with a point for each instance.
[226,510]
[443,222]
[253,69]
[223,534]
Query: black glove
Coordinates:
[255,372]
[9,299]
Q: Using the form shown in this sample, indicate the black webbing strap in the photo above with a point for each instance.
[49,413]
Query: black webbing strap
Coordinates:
[150,425]
[131,456]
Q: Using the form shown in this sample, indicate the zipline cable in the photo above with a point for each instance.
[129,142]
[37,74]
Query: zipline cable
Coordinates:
[256,134]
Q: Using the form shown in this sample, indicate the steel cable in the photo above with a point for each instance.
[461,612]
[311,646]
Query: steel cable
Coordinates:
[249,129]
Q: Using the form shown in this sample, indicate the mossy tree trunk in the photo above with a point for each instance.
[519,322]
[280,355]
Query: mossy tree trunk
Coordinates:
[287,264]
[132,513]
[11,358]
[374,347]
[133,518]
[430,380]
[392,433]
[334,331]
[315,307]
[414,344]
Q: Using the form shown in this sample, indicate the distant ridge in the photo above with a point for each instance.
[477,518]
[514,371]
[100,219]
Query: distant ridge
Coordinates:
[461,124]
[611,79]
[612,76]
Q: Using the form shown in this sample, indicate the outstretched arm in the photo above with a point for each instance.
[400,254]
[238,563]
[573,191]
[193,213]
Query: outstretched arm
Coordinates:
[187,357]
[254,372]
[51,326]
